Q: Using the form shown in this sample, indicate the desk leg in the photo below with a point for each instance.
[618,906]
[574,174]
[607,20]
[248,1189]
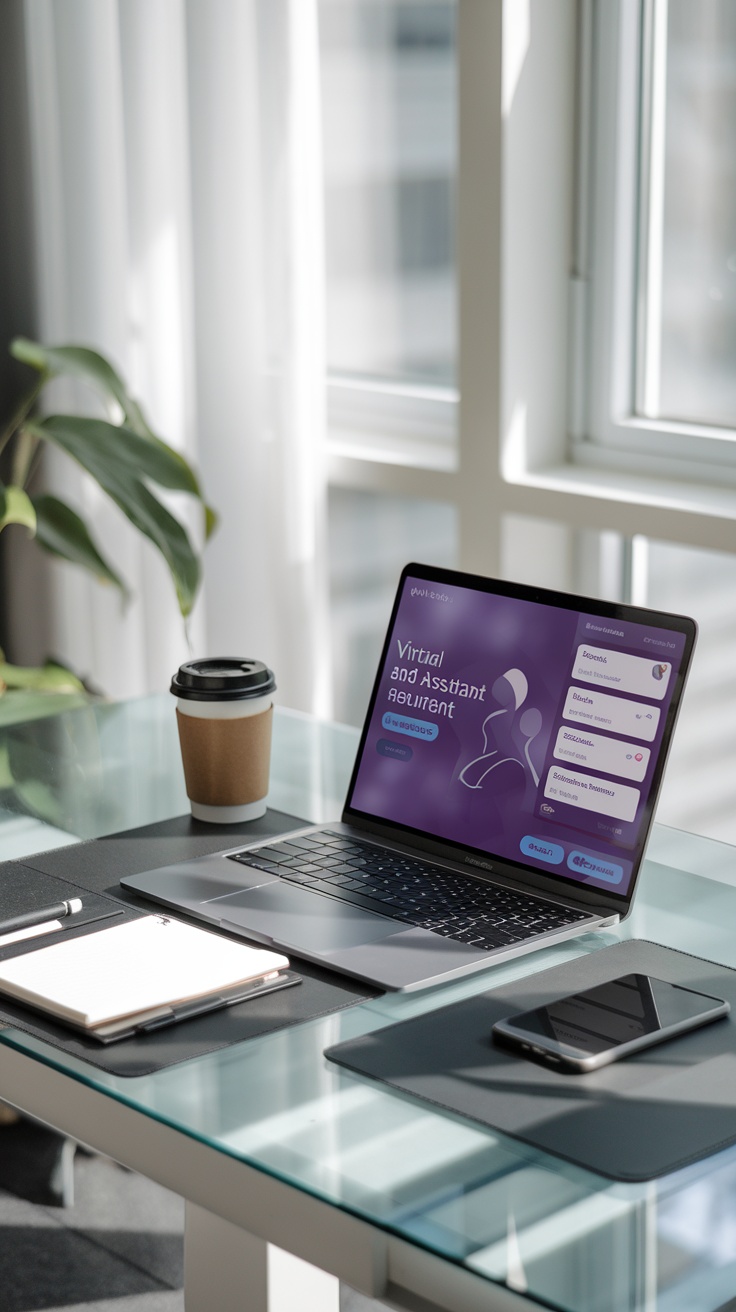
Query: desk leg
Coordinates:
[228,1270]
[225,1269]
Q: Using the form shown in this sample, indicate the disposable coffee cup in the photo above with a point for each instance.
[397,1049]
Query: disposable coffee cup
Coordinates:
[224,710]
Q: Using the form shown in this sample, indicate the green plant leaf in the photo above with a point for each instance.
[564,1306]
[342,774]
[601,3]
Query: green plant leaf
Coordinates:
[89,366]
[154,521]
[39,678]
[118,459]
[210,521]
[16,508]
[17,706]
[61,531]
[99,445]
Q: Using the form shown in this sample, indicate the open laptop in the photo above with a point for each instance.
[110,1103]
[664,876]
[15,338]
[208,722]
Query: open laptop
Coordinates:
[502,794]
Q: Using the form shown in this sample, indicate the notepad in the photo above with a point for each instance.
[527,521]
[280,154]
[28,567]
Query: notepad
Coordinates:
[140,975]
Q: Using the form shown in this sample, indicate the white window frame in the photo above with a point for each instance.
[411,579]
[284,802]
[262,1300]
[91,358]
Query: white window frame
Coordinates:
[618,426]
[392,422]
[523,271]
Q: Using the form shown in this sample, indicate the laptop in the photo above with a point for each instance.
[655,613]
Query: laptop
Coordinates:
[502,794]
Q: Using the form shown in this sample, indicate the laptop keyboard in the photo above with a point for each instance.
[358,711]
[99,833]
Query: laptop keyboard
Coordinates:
[409,889]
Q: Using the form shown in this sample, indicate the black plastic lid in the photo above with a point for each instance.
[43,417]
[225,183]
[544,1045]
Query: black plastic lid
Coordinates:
[223,679]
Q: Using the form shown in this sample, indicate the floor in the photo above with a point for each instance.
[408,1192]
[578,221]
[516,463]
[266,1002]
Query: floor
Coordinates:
[117,1247]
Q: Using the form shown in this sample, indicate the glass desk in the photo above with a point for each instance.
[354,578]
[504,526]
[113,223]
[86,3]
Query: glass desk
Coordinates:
[270,1143]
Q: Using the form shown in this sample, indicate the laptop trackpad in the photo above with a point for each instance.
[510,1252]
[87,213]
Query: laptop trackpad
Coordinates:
[294,918]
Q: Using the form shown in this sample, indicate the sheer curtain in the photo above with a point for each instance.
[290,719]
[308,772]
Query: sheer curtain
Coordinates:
[178,215]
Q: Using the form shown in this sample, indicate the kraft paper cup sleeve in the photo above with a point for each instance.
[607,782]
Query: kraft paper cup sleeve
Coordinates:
[226,762]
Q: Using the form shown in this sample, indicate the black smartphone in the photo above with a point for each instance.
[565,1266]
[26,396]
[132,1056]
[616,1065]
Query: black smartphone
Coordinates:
[588,1030]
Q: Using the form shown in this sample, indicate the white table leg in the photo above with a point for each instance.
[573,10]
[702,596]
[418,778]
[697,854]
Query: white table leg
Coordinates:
[228,1270]
[293,1283]
[225,1269]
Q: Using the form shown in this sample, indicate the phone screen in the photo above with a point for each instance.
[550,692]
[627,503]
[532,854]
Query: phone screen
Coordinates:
[626,1010]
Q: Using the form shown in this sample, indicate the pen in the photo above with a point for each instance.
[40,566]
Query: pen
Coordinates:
[37,917]
[277,979]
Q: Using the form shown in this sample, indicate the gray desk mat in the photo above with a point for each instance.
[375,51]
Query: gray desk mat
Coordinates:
[91,870]
[632,1121]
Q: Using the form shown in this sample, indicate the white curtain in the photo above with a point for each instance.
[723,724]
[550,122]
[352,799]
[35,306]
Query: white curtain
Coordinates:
[178,211]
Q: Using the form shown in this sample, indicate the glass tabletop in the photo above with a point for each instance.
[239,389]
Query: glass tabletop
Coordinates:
[562,1235]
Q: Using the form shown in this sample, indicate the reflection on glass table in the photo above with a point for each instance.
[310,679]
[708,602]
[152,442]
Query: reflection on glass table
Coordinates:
[110,766]
[514,1216]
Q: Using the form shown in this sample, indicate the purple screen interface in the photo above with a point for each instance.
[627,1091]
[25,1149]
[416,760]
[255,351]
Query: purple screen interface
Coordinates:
[527,731]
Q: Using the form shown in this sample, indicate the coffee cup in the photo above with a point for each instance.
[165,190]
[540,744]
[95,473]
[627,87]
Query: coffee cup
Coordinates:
[224,711]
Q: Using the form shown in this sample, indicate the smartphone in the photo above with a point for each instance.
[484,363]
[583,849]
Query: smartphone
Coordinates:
[588,1030]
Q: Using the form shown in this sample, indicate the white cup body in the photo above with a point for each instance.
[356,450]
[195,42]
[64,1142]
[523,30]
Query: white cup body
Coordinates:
[234,710]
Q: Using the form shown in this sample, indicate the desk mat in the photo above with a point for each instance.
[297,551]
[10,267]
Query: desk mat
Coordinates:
[92,870]
[632,1121]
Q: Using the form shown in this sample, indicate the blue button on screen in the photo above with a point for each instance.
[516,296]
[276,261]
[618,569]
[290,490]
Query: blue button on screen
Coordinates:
[583,864]
[542,850]
[414,728]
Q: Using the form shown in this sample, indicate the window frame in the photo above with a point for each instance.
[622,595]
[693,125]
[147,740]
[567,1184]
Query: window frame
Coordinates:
[396,422]
[626,199]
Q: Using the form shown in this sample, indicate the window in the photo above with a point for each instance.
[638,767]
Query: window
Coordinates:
[388,74]
[688,319]
[662,273]
[388,87]
[389,104]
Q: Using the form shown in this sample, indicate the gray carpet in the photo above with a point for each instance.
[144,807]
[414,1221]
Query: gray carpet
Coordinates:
[117,1247]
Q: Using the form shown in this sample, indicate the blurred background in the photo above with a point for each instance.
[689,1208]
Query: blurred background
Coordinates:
[262,211]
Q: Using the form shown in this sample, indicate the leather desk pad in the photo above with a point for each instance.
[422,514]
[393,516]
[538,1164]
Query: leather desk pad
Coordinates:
[635,1120]
[91,870]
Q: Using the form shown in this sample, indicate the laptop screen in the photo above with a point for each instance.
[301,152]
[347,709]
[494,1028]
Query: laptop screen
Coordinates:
[522,724]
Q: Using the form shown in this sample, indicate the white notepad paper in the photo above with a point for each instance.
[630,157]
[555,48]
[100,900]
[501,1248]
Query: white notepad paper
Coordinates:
[133,969]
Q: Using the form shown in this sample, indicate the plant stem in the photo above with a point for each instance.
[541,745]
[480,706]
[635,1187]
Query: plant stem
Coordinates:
[22,410]
[23,457]
[33,463]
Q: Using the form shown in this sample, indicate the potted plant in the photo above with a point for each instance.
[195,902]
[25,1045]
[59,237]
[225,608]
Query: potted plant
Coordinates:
[127,460]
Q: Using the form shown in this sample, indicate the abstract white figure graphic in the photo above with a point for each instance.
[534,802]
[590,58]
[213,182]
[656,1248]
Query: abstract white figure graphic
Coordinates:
[510,690]
[530,725]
